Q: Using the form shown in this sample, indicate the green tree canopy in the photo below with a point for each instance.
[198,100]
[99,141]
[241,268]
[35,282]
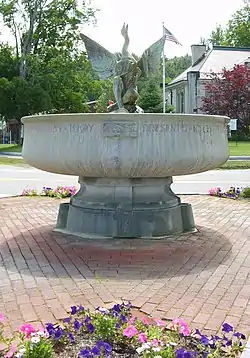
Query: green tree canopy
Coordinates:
[237,31]
[175,66]
[47,71]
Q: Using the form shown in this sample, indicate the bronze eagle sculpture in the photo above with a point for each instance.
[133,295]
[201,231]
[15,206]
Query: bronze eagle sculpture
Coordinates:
[124,68]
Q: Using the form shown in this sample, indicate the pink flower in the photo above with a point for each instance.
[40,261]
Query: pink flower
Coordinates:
[12,351]
[144,320]
[130,331]
[27,328]
[131,320]
[183,326]
[185,330]
[2,318]
[155,342]
[160,323]
[142,338]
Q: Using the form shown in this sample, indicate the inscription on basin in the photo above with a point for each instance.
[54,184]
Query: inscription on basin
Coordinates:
[130,129]
[120,129]
[73,128]
[178,127]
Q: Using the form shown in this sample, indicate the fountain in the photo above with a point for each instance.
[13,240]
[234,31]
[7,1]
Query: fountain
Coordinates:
[125,159]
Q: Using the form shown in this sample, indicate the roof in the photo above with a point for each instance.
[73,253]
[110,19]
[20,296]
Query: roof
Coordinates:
[215,60]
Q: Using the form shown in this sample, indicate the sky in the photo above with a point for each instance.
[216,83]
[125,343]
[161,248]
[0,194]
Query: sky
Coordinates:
[188,20]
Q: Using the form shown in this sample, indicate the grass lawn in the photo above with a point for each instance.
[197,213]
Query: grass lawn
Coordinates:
[241,164]
[12,161]
[10,148]
[239,148]
[228,165]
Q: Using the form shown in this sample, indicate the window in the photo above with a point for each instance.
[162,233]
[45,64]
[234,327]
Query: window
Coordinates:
[182,103]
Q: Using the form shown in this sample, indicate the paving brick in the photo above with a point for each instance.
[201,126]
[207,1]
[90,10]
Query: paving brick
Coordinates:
[148,308]
[203,277]
[28,313]
[202,318]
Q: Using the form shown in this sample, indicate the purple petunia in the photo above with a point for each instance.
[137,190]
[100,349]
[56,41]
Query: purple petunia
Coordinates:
[90,327]
[227,328]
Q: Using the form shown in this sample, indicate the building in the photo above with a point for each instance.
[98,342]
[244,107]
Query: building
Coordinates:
[186,91]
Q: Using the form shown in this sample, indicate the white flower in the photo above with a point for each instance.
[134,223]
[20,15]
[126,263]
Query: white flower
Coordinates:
[22,350]
[103,310]
[40,333]
[146,345]
[173,344]
[139,350]
[35,339]
[143,348]
[156,349]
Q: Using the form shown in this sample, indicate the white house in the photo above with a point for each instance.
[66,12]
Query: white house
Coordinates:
[185,91]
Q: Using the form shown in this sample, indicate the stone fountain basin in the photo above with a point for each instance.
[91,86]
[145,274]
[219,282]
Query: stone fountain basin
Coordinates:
[122,145]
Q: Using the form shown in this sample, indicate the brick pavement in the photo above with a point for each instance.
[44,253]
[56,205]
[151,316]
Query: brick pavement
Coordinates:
[203,277]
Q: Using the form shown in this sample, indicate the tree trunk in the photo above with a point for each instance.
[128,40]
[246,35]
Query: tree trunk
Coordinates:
[26,44]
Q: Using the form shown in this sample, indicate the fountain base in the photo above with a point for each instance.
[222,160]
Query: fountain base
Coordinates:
[125,208]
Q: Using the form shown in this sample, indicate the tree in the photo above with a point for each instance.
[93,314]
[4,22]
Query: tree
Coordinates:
[18,98]
[68,80]
[228,94]
[150,96]
[8,62]
[218,36]
[175,66]
[150,90]
[237,31]
[47,71]
[106,96]
[39,24]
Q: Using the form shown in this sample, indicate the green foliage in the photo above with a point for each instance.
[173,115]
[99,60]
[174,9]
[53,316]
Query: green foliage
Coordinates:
[38,347]
[175,66]
[105,327]
[149,89]
[47,72]
[8,62]
[167,352]
[237,31]
[150,96]
[246,192]
[218,36]
[105,96]
[36,24]
[19,98]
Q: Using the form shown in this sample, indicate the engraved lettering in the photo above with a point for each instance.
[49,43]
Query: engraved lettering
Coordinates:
[80,128]
[120,129]
[178,127]
[73,128]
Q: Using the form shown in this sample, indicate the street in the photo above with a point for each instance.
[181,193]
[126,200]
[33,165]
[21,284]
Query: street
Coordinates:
[14,179]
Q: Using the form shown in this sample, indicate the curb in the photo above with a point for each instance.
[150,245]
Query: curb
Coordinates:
[19,154]
[239,158]
[11,154]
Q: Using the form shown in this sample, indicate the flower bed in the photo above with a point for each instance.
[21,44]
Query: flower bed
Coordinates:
[59,192]
[116,333]
[232,193]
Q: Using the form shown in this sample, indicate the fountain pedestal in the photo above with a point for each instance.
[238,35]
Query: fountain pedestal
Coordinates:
[125,163]
[106,208]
